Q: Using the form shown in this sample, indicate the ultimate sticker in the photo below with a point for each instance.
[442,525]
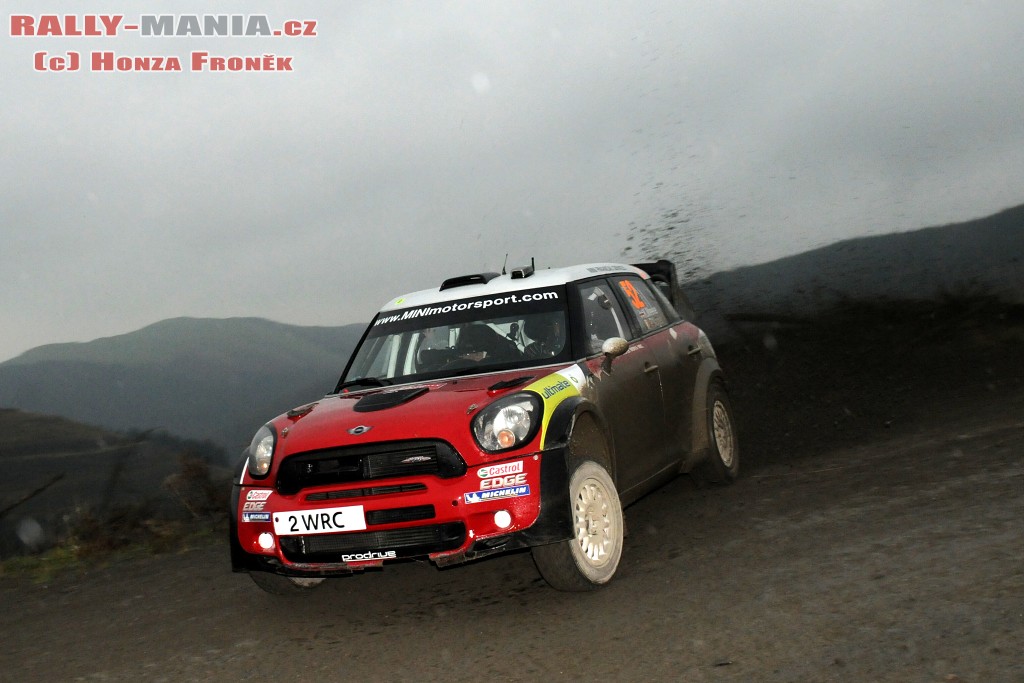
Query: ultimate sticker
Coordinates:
[555,388]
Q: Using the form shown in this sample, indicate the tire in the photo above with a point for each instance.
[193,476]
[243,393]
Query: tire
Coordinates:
[284,585]
[588,560]
[723,463]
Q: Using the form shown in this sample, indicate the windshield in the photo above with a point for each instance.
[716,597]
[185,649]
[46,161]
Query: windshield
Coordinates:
[462,337]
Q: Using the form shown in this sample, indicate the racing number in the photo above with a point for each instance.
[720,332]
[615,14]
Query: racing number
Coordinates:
[630,291]
[317,522]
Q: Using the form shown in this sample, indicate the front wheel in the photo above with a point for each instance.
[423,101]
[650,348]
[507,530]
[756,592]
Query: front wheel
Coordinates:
[284,585]
[723,463]
[589,559]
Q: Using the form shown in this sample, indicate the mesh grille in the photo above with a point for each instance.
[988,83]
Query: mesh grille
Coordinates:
[363,463]
[409,542]
[409,514]
[367,491]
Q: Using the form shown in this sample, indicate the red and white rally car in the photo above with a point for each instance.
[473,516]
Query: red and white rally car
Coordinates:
[492,413]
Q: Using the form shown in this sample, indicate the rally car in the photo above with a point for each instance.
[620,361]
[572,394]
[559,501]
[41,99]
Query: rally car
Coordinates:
[492,413]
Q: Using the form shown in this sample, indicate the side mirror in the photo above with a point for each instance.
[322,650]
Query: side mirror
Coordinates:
[612,348]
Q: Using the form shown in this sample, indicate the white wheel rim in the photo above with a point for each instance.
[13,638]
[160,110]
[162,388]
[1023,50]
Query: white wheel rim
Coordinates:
[722,428]
[595,523]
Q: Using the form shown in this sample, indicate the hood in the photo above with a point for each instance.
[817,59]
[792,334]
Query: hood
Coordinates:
[440,409]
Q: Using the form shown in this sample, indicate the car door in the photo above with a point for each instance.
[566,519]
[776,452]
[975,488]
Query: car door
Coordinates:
[674,348]
[629,395]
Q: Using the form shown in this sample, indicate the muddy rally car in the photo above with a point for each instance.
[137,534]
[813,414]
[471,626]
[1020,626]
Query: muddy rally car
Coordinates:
[492,413]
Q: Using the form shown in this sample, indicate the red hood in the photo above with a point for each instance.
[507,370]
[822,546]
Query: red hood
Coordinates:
[443,411]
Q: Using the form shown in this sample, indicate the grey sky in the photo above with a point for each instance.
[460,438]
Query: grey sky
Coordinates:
[419,140]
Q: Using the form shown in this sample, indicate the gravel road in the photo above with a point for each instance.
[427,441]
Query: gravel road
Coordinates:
[876,534]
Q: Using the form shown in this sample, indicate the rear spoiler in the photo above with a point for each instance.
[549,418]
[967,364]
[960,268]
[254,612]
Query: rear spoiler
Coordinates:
[663,275]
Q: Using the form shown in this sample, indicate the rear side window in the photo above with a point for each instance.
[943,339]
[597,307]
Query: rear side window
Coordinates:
[642,304]
[661,290]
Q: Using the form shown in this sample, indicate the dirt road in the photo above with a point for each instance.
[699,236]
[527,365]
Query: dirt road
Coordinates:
[876,534]
[898,559]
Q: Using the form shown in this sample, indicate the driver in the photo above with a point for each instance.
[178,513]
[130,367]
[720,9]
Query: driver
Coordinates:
[547,334]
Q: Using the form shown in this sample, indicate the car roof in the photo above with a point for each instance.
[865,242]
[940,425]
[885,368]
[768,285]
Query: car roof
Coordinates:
[511,282]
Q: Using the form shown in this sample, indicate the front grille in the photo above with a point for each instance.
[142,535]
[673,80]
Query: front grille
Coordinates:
[410,542]
[363,463]
[367,491]
[395,515]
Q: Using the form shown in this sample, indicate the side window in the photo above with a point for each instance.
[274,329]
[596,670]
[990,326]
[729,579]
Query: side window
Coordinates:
[642,303]
[660,289]
[602,316]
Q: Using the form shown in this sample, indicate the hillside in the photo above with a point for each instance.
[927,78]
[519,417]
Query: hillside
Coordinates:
[197,378]
[218,380]
[27,434]
[61,476]
[978,257]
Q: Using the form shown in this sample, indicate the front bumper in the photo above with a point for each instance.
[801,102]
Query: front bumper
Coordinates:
[448,521]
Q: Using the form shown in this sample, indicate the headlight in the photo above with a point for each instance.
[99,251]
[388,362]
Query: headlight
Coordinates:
[261,451]
[507,423]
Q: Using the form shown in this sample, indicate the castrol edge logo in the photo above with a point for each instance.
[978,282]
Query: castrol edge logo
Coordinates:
[500,470]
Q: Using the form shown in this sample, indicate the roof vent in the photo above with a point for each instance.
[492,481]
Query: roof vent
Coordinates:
[523,272]
[463,280]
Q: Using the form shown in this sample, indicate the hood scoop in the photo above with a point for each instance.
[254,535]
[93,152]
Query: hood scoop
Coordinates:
[390,399]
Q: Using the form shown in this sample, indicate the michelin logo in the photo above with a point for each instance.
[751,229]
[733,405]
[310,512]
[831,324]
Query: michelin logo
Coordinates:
[255,516]
[509,492]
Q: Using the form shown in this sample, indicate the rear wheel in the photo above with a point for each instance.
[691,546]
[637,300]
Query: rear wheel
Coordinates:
[723,463]
[589,559]
[284,585]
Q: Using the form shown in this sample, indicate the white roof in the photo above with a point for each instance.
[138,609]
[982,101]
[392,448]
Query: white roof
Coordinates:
[549,277]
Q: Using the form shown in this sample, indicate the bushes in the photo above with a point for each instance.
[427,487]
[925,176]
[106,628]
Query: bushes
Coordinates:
[193,502]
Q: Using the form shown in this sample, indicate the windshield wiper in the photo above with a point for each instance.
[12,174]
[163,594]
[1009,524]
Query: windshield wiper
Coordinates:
[509,383]
[363,382]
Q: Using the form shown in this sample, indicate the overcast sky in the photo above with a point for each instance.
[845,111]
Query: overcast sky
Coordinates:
[418,140]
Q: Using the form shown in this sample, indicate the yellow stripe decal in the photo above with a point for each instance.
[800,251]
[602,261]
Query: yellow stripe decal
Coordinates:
[554,389]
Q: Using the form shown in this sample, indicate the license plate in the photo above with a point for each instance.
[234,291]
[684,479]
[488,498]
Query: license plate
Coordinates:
[321,521]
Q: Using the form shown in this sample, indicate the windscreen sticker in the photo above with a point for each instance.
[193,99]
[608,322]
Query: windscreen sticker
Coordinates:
[496,306]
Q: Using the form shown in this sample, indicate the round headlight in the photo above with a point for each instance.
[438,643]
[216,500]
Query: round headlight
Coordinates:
[511,424]
[261,452]
[507,423]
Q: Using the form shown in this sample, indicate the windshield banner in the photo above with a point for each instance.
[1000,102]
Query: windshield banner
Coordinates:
[491,307]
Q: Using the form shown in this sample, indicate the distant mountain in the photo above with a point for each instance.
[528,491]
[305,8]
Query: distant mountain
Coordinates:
[979,257]
[198,378]
[220,379]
